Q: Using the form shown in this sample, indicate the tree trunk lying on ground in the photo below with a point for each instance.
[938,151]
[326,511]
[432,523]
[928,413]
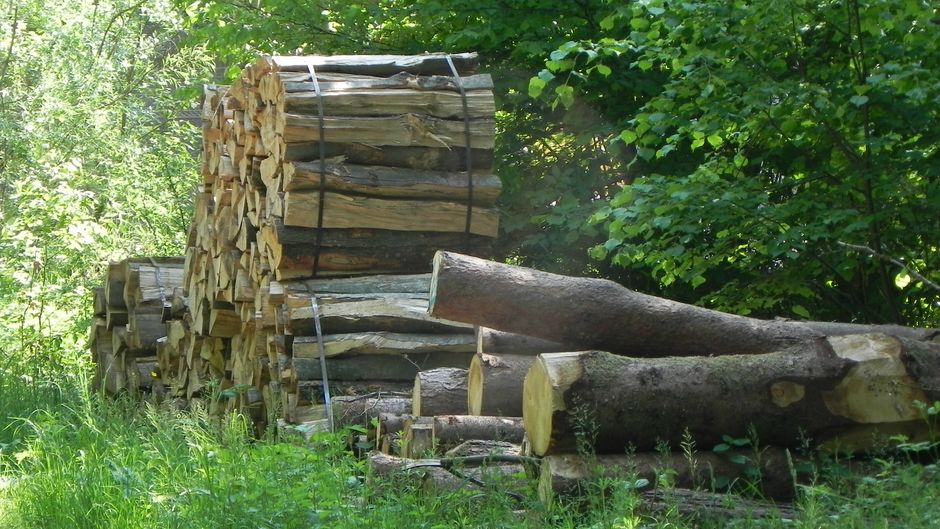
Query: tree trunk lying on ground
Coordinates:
[585,313]
[441,391]
[768,469]
[834,391]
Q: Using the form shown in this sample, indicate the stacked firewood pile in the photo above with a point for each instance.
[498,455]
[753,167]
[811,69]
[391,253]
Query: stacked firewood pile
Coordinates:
[128,328]
[318,174]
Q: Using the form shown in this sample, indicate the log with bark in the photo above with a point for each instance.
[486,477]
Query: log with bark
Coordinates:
[494,384]
[767,471]
[846,391]
[451,430]
[440,391]
[584,313]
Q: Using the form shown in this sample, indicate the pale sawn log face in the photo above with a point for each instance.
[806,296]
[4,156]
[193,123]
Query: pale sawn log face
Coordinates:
[833,392]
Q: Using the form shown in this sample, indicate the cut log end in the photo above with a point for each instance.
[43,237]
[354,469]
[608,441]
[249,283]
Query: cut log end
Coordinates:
[538,405]
[475,387]
[543,394]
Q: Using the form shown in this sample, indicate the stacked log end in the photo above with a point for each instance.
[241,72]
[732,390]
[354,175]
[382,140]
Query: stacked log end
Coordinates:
[128,331]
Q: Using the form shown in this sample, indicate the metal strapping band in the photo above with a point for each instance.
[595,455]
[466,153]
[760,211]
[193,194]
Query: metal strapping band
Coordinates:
[322,349]
[159,281]
[316,89]
[469,150]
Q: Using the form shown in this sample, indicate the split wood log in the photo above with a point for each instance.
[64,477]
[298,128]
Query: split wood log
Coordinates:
[340,211]
[377,367]
[418,438]
[451,430]
[494,384]
[381,343]
[366,102]
[398,314]
[851,391]
[295,83]
[405,130]
[440,391]
[769,470]
[391,182]
[421,158]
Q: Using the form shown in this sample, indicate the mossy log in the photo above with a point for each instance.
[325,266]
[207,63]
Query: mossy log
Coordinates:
[848,391]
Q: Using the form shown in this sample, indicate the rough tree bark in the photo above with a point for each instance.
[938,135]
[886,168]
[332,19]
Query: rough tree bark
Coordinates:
[585,313]
[836,390]
[441,391]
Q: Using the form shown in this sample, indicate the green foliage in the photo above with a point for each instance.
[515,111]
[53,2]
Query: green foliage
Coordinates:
[94,166]
[779,132]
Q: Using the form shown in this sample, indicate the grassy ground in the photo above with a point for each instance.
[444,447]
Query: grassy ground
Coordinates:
[81,462]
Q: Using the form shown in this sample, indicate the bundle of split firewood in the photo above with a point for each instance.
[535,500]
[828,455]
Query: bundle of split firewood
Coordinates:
[319,172]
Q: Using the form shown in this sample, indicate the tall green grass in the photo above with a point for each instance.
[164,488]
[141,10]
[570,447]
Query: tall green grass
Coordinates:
[89,462]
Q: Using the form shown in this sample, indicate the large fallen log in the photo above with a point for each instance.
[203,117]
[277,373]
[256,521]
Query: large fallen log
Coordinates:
[585,313]
[850,391]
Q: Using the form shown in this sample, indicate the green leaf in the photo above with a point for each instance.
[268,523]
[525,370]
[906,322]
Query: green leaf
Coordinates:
[858,100]
[536,86]
[738,459]
[721,448]
[644,65]
[628,136]
[603,69]
[607,23]
[715,140]
[800,311]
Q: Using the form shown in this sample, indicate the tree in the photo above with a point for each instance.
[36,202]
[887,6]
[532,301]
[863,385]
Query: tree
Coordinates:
[94,164]
[788,163]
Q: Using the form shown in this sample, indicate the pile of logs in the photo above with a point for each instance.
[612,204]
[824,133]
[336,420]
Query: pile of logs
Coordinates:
[318,174]
[635,373]
[128,328]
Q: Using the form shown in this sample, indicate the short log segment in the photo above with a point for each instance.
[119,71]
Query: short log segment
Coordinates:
[451,430]
[769,470]
[440,391]
[494,384]
[840,390]
[585,313]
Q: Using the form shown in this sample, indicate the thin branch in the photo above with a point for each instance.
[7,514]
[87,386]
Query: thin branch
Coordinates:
[888,258]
